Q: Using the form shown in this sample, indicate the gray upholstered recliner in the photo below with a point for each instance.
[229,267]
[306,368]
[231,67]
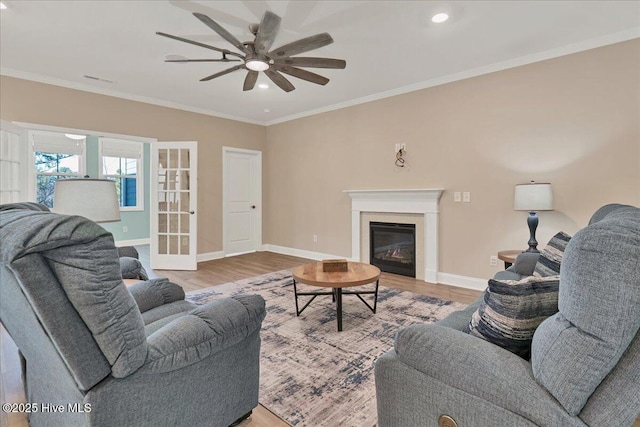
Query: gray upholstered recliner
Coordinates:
[112,356]
[585,364]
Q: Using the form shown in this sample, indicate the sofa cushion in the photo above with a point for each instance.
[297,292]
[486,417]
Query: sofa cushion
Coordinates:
[512,310]
[551,256]
[599,310]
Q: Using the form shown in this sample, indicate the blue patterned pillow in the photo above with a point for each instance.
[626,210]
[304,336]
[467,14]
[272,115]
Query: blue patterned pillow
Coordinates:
[551,256]
[512,311]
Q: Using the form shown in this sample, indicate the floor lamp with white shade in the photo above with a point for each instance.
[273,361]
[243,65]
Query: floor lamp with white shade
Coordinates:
[96,199]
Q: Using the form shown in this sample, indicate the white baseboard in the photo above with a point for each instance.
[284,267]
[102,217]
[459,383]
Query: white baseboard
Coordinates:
[300,252]
[462,281]
[209,256]
[133,242]
[443,278]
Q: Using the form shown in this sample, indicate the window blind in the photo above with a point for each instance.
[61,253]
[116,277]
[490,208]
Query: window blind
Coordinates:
[45,142]
[121,148]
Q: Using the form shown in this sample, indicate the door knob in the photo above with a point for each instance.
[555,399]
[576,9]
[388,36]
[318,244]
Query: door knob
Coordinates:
[253,206]
[192,212]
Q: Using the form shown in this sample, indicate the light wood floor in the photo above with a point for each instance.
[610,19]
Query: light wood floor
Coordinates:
[209,274]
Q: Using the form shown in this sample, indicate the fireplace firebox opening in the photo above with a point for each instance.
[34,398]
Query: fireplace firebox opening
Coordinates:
[393,247]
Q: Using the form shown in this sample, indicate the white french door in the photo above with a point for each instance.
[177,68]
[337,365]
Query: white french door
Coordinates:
[242,200]
[13,167]
[174,206]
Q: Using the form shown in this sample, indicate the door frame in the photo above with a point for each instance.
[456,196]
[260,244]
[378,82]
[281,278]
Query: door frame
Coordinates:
[257,238]
[175,264]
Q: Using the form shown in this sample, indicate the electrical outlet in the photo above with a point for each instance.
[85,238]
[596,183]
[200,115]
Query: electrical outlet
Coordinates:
[466,197]
[457,197]
[125,229]
[315,238]
[403,146]
[493,260]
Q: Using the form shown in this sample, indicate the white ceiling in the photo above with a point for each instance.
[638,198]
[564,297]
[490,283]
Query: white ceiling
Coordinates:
[390,47]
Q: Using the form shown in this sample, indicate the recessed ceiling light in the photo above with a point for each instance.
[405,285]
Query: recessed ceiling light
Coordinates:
[439,18]
[263,86]
[3,6]
[266,110]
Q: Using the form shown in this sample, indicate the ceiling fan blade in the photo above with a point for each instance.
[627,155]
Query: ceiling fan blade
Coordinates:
[206,46]
[267,32]
[250,80]
[222,73]
[304,75]
[312,62]
[221,31]
[280,80]
[202,60]
[302,45]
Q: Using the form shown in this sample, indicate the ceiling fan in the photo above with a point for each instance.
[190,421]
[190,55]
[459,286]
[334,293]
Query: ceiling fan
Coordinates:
[256,56]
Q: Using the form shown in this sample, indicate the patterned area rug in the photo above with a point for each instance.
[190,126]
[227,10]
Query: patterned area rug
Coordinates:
[311,374]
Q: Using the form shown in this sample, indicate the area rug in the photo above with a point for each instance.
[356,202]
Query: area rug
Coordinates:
[311,374]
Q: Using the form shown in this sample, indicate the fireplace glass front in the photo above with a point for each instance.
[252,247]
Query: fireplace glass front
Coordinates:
[393,247]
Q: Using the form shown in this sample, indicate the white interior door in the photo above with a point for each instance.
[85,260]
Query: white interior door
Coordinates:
[174,205]
[242,200]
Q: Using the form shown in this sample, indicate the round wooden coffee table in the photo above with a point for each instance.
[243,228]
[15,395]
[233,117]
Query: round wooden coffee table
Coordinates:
[357,274]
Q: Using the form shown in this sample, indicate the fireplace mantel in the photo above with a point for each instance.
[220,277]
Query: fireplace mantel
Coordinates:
[416,201]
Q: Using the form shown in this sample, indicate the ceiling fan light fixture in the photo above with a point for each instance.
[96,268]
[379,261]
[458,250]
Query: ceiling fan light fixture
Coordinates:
[439,18]
[256,65]
[263,86]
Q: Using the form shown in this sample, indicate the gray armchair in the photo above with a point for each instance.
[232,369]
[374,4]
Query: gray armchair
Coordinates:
[585,363]
[113,356]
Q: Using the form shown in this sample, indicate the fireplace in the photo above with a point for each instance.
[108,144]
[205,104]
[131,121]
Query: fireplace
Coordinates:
[422,203]
[393,247]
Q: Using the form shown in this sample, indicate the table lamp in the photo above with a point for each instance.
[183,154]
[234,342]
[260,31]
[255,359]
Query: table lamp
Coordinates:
[95,199]
[533,197]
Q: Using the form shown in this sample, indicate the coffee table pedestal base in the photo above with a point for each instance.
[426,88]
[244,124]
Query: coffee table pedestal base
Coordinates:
[336,294]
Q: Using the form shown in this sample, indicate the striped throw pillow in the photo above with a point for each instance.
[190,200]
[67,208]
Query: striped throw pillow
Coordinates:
[551,256]
[512,310]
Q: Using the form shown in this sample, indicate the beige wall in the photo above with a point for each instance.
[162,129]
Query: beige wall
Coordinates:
[32,102]
[572,121]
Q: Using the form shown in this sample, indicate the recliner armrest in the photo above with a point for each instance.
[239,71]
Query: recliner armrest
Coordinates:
[131,268]
[204,331]
[477,367]
[154,293]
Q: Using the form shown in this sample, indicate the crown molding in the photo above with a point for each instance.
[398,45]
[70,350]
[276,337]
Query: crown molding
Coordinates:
[618,37]
[630,34]
[116,94]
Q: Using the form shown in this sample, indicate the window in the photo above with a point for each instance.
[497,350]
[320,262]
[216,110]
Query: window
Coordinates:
[121,161]
[56,157]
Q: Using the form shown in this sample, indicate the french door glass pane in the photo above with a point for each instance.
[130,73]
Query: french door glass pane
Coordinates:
[174,201]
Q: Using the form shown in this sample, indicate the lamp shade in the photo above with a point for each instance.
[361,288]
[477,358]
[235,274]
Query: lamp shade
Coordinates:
[533,197]
[95,199]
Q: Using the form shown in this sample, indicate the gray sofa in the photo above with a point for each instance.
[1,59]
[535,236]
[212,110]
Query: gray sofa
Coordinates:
[585,363]
[113,356]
